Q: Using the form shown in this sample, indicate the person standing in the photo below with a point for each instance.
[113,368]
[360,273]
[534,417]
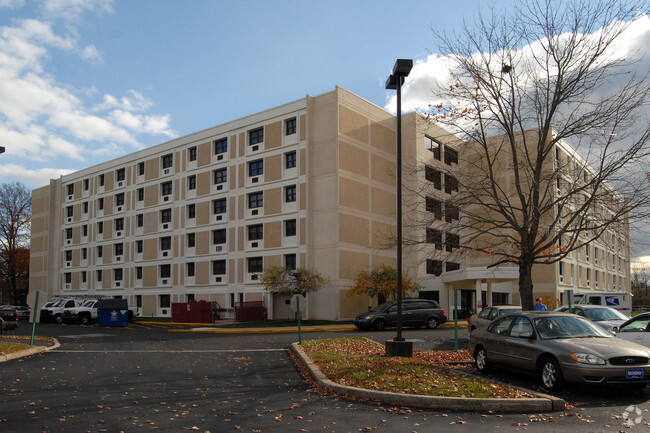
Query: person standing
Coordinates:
[539,306]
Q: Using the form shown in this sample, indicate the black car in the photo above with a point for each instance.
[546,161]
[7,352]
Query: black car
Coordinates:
[415,312]
[9,316]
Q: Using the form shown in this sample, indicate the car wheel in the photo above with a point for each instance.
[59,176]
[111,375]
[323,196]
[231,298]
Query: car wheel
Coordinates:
[550,374]
[481,359]
[58,318]
[432,323]
[84,320]
[379,325]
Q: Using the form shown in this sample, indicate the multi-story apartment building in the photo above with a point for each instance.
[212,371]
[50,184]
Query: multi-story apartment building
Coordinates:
[310,183]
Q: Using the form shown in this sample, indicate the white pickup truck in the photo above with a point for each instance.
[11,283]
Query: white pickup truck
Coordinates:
[83,314]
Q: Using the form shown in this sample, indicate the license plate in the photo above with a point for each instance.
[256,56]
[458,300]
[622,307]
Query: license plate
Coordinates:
[634,373]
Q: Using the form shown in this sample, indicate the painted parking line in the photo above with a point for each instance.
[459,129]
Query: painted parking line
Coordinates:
[168,351]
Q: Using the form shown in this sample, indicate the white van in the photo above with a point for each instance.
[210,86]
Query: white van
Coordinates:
[620,301]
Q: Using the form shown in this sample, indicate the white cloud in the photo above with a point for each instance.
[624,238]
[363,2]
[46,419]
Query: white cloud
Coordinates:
[72,10]
[90,53]
[12,4]
[32,178]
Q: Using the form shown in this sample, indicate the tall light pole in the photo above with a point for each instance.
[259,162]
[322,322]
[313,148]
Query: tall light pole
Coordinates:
[401,70]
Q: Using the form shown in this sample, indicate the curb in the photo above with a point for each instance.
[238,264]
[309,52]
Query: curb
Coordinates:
[287,329]
[29,352]
[543,402]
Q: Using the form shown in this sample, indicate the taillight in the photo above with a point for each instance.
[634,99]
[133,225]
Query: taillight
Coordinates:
[442,311]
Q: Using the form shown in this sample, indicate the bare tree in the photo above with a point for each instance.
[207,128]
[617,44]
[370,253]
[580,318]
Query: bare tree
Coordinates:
[15,223]
[556,138]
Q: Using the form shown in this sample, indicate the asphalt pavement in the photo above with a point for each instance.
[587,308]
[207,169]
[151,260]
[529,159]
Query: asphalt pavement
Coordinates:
[147,377]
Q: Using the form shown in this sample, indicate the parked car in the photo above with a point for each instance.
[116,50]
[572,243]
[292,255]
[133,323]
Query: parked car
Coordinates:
[488,314]
[9,316]
[558,348]
[606,317]
[636,329]
[415,312]
[23,312]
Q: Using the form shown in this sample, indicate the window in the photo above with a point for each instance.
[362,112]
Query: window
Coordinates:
[99,275]
[433,146]
[166,216]
[83,276]
[191,182]
[100,227]
[138,272]
[219,236]
[290,228]
[255,264]
[120,174]
[256,136]
[221,146]
[290,193]
[68,277]
[86,184]
[218,267]
[69,211]
[85,207]
[451,156]
[165,301]
[84,230]
[451,184]
[453,242]
[100,251]
[435,237]
[165,271]
[119,249]
[191,211]
[101,183]
[290,261]
[119,199]
[84,253]
[451,266]
[290,160]
[71,189]
[191,240]
[100,203]
[219,206]
[190,269]
[256,168]
[290,126]
[141,169]
[140,194]
[587,249]
[434,176]
[139,246]
[434,267]
[119,224]
[166,243]
[255,200]
[220,176]
[166,188]
[256,232]
[117,274]
[68,233]
[191,153]
[167,161]
[139,220]
[435,206]
[451,212]
[68,255]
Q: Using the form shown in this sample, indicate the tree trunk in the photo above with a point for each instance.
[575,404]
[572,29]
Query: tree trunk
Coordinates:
[526,284]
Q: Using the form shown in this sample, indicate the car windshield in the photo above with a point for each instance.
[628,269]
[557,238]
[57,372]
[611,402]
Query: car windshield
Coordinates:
[59,303]
[88,304]
[509,310]
[382,307]
[598,314]
[552,327]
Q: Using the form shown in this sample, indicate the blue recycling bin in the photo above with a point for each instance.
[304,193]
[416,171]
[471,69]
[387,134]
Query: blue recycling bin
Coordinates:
[113,312]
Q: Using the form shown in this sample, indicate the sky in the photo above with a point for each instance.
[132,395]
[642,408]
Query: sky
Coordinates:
[86,81]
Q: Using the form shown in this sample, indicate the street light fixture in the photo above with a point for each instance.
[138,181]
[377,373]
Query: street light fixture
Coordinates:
[401,70]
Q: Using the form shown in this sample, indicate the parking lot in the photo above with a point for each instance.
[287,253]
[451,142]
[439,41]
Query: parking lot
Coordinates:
[146,377]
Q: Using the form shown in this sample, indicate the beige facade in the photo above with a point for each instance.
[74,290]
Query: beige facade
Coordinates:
[310,183]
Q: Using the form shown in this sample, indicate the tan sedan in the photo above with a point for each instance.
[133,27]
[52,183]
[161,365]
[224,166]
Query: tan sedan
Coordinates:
[559,348]
[488,314]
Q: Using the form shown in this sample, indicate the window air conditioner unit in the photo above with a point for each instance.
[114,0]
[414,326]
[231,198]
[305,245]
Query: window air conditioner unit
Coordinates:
[254,148]
[254,277]
[255,180]
[164,281]
[68,263]
[254,212]
[218,217]
[219,157]
[69,242]
[119,208]
[218,248]
[165,226]
[118,234]
[117,284]
[118,258]
[217,280]
[69,197]
[166,198]
[219,187]
[254,245]
[69,220]
[166,171]
[164,253]
[67,286]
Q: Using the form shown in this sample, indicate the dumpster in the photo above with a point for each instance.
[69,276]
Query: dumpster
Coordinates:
[251,311]
[194,312]
[113,312]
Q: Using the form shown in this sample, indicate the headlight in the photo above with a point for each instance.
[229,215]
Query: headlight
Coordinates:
[586,358]
[368,317]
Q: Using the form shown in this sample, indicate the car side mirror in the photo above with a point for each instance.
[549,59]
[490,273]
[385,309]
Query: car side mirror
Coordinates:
[614,329]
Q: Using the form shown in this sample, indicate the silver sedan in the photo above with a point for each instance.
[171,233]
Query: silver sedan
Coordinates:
[559,348]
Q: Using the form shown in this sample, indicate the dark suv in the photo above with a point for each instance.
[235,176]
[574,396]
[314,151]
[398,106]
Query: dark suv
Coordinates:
[415,312]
